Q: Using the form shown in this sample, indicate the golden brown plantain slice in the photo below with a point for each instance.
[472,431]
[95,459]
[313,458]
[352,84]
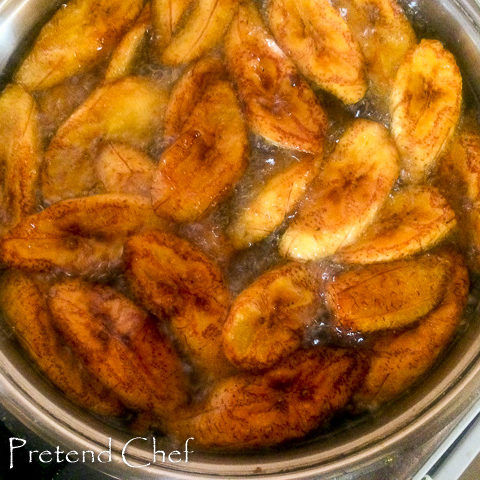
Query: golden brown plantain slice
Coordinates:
[123,169]
[345,197]
[166,15]
[130,110]
[203,29]
[205,161]
[173,279]
[397,360]
[412,220]
[272,203]
[79,35]
[279,104]
[425,106]
[82,236]
[319,41]
[120,344]
[26,310]
[387,295]
[20,155]
[248,411]
[267,320]
[385,36]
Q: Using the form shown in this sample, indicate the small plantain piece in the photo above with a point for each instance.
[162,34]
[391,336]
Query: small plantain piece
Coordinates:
[204,27]
[397,360]
[318,40]
[412,220]
[387,295]
[267,320]
[124,169]
[279,104]
[272,203]
[425,106]
[129,110]
[347,194]
[81,236]
[172,279]
[120,344]
[205,161]
[24,306]
[79,35]
[251,411]
[166,15]
[20,155]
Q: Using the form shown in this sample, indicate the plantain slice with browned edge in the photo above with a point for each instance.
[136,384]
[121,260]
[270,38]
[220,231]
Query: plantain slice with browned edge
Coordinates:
[267,320]
[412,220]
[385,37]
[172,279]
[205,161]
[425,107]
[129,110]
[20,155]
[387,295]
[25,309]
[78,36]
[318,39]
[279,104]
[397,360]
[250,411]
[120,344]
[347,194]
[272,202]
[166,15]
[81,236]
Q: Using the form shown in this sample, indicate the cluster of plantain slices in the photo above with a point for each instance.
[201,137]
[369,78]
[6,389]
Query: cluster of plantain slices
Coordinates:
[149,148]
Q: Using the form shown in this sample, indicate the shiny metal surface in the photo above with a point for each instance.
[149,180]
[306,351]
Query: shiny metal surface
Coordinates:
[449,389]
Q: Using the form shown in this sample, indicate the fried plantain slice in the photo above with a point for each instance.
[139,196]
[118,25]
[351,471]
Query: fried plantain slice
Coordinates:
[129,110]
[20,155]
[346,195]
[166,15]
[387,295]
[79,35]
[318,40]
[173,279]
[205,161]
[121,344]
[412,220]
[82,236]
[267,320]
[248,411]
[26,310]
[425,106]
[397,360]
[279,104]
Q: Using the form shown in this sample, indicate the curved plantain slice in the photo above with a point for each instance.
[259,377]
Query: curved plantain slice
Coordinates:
[120,344]
[248,411]
[82,236]
[78,36]
[397,360]
[166,14]
[272,203]
[425,106]
[280,105]
[26,310]
[203,29]
[387,295]
[20,155]
[205,161]
[412,220]
[345,197]
[319,41]
[130,110]
[173,279]
[267,320]
[123,169]
[385,37]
